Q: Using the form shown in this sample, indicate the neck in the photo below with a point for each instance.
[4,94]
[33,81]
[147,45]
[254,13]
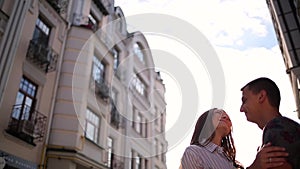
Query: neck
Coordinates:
[217,139]
[268,117]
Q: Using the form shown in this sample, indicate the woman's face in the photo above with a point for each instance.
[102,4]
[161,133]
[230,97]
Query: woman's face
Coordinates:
[222,122]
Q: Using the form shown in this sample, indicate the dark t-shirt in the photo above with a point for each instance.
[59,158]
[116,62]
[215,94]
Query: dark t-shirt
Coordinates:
[282,131]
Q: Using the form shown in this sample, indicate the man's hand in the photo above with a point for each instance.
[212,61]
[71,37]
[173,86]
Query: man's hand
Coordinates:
[269,157]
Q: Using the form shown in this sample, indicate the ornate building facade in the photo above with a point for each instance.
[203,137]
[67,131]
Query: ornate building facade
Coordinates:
[77,89]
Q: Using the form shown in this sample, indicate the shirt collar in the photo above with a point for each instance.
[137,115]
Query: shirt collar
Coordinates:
[212,147]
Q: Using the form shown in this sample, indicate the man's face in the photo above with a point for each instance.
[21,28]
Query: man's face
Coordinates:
[250,105]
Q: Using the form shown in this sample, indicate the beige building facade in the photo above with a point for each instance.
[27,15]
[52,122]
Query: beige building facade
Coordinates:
[77,89]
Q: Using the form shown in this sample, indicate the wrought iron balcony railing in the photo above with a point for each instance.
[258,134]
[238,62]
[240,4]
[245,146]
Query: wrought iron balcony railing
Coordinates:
[29,130]
[44,57]
[91,25]
[115,117]
[3,23]
[117,164]
[60,6]
[102,89]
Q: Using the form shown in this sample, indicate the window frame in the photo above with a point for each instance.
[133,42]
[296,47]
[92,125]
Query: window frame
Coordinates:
[116,58]
[96,127]
[138,122]
[110,145]
[139,85]
[42,32]
[101,66]
[25,85]
[138,51]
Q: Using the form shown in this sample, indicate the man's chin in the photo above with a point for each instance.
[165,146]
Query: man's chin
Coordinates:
[248,119]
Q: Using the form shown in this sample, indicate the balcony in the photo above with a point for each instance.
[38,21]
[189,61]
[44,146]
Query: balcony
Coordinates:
[43,57]
[3,23]
[115,118]
[28,130]
[60,6]
[102,89]
[92,24]
[117,164]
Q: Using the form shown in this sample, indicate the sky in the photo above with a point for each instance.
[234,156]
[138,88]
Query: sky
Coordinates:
[217,46]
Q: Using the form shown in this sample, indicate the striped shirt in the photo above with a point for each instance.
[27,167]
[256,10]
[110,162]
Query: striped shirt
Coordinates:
[210,156]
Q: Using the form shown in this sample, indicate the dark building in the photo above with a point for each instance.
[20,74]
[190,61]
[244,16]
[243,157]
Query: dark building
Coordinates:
[286,19]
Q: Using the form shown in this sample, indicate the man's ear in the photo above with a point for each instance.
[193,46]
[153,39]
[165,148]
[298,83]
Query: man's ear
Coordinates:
[262,96]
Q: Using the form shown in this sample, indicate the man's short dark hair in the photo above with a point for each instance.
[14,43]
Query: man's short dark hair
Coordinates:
[263,83]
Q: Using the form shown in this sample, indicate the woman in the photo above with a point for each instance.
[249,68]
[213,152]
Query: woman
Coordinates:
[212,144]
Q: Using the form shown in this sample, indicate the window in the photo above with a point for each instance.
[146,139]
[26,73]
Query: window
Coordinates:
[145,133]
[25,99]
[138,85]
[41,33]
[92,20]
[115,118]
[156,116]
[92,23]
[114,96]
[25,122]
[138,123]
[115,53]
[110,152]
[131,161]
[161,151]
[157,121]
[146,163]
[98,70]
[139,52]
[119,22]
[134,111]
[156,147]
[39,51]
[91,126]
[138,164]
[1,3]
[162,125]
[98,76]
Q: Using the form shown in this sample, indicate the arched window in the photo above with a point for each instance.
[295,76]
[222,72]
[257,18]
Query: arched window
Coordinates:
[139,52]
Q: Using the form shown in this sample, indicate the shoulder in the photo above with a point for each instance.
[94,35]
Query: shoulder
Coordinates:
[285,132]
[282,123]
[191,157]
[281,130]
[193,149]
[197,152]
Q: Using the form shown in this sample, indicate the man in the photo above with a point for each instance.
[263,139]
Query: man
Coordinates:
[260,103]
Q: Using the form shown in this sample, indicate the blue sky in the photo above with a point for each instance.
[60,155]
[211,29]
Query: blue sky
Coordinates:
[250,40]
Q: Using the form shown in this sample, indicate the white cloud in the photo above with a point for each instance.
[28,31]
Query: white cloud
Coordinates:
[226,23]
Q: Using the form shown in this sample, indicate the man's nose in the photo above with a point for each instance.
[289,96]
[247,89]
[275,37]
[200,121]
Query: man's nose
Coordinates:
[241,108]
